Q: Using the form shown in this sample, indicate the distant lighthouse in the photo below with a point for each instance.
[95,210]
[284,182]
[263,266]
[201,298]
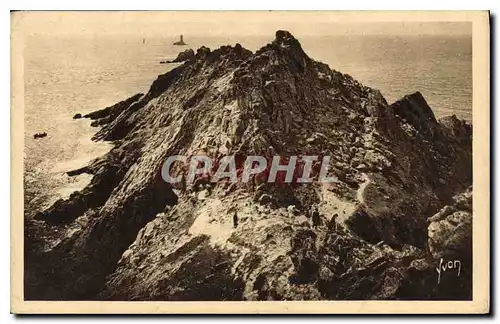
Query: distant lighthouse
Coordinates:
[181,41]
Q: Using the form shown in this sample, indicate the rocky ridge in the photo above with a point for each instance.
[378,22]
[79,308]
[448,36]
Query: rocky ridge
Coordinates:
[144,240]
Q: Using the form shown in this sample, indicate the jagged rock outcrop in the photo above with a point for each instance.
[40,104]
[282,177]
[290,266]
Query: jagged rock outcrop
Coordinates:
[145,240]
[104,116]
[181,57]
[450,229]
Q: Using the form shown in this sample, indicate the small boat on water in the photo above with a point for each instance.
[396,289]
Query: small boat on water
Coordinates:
[180,42]
[39,135]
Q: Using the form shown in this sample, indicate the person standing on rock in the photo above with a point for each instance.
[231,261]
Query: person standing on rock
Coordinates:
[235,219]
[183,184]
[334,222]
[315,218]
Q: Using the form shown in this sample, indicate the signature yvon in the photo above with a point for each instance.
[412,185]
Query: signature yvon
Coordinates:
[444,266]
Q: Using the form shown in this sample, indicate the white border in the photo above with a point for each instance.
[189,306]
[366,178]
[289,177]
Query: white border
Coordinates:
[194,4]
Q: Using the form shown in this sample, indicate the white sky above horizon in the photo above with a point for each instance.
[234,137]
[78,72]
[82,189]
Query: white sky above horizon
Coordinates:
[155,23]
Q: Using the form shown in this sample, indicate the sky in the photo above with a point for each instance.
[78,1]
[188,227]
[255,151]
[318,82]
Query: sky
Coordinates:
[154,23]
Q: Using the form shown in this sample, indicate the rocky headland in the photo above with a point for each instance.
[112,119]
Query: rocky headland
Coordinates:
[403,203]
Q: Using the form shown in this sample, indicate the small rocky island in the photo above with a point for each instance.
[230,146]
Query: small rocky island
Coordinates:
[402,206]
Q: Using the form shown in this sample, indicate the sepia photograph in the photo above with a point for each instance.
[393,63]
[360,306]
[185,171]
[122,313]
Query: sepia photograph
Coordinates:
[323,159]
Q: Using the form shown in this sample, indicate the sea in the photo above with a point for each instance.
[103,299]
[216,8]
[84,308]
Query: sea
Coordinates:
[65,75]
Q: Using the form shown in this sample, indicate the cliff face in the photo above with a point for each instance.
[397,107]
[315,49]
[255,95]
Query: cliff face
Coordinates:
[143,240]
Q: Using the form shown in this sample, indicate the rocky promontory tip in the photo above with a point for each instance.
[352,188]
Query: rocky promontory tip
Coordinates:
[182,56]
[365,236]
[415,110]
[284,37]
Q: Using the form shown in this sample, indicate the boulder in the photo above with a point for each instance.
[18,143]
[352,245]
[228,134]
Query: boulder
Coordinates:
[450,230]
[376,159]
[416,112]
